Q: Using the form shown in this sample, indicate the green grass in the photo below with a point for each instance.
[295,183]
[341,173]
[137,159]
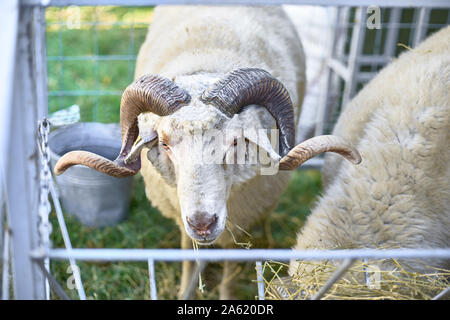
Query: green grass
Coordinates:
[145,227]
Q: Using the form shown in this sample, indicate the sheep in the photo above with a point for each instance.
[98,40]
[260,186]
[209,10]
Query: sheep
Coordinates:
[207,80]
[399,196]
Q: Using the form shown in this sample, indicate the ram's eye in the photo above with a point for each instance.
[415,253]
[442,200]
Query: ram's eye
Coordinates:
[235,142]
[165,146]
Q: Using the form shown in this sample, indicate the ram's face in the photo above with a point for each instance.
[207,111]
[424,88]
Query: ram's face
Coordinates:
[205,133]
[203,153]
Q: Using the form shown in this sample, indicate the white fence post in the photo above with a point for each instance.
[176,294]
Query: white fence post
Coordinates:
[22,163]
[9,16]
[357,44]
[421,26]
[3,243]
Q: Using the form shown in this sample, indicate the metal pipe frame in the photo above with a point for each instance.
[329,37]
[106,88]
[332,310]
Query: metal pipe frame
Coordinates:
[9,15]
[258,255]
[5,268]
[357,45]
[53,282]
[324,103]
[65,234]
[392,32]
[173,255]
[346,264]
[151,277]
[21,168]
[349,3]
[260,280]
[421,27]
[445,294]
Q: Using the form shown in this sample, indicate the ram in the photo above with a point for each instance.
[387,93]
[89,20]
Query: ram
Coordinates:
[399,196]
[210,83]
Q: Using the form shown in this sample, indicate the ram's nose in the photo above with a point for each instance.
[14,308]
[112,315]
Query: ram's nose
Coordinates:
[202,223]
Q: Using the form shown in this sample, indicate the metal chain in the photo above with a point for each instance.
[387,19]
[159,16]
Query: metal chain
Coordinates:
[44,227]
[47,188]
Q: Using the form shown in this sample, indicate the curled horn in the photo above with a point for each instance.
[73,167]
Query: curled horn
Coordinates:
[316,145]
[149,93]
[246,86]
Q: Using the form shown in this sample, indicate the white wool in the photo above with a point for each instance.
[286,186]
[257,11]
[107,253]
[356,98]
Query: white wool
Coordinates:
[399,196]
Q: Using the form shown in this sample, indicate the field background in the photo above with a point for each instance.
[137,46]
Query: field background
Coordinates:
[89,64]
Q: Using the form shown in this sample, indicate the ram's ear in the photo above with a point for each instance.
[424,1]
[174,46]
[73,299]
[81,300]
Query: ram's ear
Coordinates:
[148,137]
[147,140]
[265,139]
[259,127]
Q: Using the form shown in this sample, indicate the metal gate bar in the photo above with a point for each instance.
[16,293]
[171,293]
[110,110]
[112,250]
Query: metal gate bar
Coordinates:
[151,277]
[445,294]
[136,3]
[65,234]
[22,177]
[5,268]
[54,284]
[151,255]
[346,264]
[260,281]
[238,254]
[356,47]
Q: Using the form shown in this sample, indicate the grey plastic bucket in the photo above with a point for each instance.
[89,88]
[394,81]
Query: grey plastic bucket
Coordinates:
[96,199]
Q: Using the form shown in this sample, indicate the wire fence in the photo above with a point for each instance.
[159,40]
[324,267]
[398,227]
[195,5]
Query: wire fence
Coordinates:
[91,55]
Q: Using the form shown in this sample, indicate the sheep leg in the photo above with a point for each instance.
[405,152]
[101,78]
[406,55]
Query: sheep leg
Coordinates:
[227,285]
